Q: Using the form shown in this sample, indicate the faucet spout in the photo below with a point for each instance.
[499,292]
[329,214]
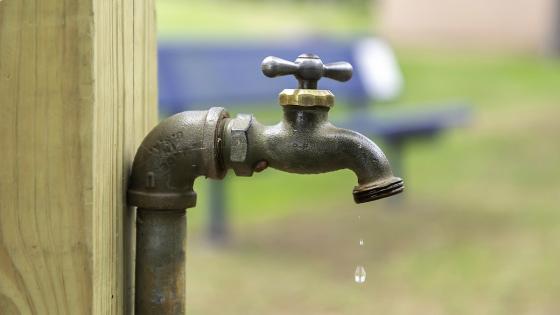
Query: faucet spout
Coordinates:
[368,162]
[305,142]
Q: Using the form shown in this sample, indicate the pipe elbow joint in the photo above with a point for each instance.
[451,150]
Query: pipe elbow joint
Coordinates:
[176,152]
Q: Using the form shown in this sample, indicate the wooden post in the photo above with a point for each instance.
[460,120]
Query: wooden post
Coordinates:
[77,94]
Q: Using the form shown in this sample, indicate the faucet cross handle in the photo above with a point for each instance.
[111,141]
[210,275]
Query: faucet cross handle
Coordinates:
[307,68]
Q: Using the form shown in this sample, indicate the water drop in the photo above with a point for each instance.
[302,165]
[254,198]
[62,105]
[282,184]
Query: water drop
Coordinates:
[360,274]
[361,242]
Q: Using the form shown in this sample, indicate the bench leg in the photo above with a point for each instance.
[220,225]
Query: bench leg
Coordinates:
[218,232]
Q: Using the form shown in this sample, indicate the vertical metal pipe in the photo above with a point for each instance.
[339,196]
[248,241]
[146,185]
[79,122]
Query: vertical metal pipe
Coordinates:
[160,262]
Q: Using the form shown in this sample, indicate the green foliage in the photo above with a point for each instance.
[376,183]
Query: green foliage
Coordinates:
[233,20]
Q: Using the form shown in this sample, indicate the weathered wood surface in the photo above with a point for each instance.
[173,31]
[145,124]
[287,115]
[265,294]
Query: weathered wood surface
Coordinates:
[77,94]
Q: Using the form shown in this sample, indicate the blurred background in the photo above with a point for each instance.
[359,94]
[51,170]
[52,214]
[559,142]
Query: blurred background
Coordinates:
[471,111]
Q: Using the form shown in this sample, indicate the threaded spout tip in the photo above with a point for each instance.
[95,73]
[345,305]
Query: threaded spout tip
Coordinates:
[378,190]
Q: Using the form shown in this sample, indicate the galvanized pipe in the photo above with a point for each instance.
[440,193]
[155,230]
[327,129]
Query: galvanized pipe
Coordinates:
[160,262]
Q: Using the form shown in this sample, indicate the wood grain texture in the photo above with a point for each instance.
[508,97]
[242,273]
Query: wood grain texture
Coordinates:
[77,94]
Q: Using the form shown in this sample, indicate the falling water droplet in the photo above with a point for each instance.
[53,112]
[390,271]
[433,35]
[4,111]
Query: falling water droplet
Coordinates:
[360,274]
[361,242]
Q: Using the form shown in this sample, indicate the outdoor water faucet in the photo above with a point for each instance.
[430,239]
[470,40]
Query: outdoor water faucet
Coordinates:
[208,143]
[305,142]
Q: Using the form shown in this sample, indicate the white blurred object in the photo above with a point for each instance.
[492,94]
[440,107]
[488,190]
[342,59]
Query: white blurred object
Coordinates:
[382,77]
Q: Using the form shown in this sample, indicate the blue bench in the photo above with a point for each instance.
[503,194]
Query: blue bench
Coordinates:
[199,75]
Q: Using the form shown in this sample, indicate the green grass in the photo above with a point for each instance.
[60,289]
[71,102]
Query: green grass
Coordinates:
[420,259]
[489,80]
[271,20]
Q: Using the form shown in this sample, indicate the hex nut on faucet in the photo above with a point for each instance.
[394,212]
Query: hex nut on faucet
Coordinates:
[239,141]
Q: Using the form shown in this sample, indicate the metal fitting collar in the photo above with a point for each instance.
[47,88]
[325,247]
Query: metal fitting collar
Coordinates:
[306,97]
